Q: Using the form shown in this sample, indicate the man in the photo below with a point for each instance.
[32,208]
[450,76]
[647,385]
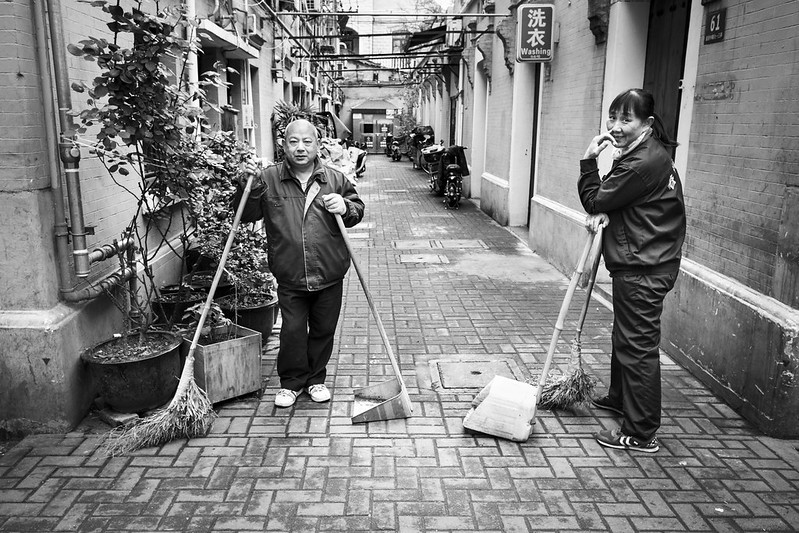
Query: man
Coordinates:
[297,200]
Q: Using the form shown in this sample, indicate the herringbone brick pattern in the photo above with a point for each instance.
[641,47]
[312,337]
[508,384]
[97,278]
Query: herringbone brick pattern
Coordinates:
[307,468]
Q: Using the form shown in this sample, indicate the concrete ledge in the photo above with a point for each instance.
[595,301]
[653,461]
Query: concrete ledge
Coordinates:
[740,343]
[494,198]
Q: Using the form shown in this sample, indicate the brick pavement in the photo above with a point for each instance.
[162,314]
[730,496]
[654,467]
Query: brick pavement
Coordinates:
[452,287]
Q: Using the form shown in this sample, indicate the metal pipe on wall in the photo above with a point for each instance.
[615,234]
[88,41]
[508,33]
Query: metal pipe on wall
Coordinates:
[68,152]
[61,229]
[70,155]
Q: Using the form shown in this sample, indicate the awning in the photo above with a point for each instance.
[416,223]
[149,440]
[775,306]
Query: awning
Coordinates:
[341,128]
[427,37]
[215,36]
[302,82]
[374,106]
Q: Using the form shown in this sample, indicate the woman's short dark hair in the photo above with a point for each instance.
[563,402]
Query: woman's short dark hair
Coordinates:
[641,103]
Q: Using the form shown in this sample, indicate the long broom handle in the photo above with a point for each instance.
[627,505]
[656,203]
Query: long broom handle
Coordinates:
[564,308]
[596,253]
[375,314]
[218,275]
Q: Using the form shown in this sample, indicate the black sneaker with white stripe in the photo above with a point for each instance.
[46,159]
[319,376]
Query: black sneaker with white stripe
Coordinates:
[618,440]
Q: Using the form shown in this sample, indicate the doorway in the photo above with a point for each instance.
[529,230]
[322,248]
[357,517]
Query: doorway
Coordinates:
[665,58]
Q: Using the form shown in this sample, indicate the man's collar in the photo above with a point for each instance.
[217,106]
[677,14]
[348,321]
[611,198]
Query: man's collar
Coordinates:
[318,171]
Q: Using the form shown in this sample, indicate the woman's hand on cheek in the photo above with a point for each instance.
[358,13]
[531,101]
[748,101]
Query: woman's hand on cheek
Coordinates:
[598,143]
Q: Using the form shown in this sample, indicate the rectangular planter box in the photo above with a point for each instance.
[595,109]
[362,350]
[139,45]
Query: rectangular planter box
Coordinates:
[230,368]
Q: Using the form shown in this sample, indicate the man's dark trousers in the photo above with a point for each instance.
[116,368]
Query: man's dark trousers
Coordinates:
[309,321]
[635,361]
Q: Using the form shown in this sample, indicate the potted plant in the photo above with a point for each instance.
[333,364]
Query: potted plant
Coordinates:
[227,360]
[149,133]
[133,377]
[251,301]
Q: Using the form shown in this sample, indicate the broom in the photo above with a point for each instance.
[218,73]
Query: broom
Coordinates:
[575,387]
[190,413]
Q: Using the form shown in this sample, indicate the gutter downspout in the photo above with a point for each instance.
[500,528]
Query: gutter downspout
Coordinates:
[61,230]
[191,34]
[70,156]
[68,152]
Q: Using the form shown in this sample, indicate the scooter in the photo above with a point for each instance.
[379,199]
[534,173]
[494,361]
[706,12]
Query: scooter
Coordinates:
[449,180]
[358,155]
[430,162]
[396,153]
[389,144]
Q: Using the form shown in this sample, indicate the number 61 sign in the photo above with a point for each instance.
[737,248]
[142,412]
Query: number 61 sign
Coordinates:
[714,26]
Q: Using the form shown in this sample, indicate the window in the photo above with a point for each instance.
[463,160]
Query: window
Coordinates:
[367,127]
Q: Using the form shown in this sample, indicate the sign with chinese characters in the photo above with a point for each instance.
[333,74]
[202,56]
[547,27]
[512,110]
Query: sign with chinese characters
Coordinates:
[714,26]
[534,35]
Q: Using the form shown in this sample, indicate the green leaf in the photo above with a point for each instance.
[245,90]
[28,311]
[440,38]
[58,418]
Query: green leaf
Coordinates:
[77,87]
[74,50]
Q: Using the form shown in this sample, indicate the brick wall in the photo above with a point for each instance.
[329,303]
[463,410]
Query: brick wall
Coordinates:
[23,155]
[571,104]
[498,119]
[745,142]
[107,206]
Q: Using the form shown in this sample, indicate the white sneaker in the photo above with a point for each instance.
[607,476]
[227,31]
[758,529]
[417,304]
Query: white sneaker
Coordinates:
[286,398]
[319,393]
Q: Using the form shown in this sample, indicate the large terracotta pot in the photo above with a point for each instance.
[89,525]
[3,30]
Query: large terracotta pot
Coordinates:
[136,382]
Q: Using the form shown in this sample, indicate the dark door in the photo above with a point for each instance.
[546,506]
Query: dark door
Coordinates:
[665,57]
[534,145]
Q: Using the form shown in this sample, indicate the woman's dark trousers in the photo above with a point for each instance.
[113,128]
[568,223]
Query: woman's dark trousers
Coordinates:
[306,335]
[635,360]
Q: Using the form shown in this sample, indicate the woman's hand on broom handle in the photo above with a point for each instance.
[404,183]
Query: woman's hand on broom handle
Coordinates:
[594,222]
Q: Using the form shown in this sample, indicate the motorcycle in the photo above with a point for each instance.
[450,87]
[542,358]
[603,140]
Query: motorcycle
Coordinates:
[420,137]
[430,162]
[389,143]
[396,152]
[448,181]
[359,156]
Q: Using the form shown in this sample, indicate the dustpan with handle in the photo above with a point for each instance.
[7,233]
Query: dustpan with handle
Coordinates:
[389,399]
[506,408]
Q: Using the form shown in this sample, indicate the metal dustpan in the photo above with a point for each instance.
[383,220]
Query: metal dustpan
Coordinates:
[389,399]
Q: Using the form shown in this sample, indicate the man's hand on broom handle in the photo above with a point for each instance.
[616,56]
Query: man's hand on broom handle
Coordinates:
[594,222]
[251,167]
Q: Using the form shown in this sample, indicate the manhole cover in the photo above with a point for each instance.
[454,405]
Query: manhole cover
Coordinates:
[413,245]
[473,374]
[461,243]
[423,258]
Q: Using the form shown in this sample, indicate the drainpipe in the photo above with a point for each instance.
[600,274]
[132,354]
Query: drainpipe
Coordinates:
[61,228]
[70,156]
[192,67]
[68,152]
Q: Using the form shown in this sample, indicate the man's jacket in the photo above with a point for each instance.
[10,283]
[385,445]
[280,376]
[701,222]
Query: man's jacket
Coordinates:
[642,196]
[305,247]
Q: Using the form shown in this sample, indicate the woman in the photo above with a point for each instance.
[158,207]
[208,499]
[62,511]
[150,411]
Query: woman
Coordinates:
[640,202]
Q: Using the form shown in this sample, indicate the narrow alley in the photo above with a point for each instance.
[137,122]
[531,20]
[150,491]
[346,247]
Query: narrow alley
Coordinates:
[463,299]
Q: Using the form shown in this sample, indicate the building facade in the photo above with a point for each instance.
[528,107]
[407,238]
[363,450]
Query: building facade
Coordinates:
[52,309]
[724,76]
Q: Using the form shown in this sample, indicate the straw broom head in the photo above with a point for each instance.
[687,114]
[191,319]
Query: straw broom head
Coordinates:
[188,415]
[569,390]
